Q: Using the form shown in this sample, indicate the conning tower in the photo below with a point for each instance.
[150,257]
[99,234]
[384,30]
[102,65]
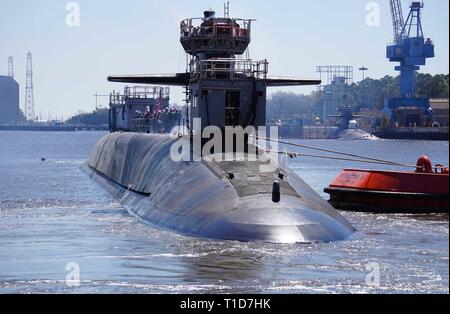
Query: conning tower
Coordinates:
[223,88]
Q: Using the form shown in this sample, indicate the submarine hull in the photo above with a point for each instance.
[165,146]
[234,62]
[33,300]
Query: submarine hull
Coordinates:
[200,199]
[356,135]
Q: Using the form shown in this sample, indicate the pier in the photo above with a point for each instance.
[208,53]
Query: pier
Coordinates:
[54,128]
[417,133]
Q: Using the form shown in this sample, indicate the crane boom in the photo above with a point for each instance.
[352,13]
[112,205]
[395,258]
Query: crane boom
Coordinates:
[397,19]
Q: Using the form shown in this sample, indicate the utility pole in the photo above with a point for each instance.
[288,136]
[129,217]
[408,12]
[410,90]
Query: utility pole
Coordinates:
[363,70]
[97,95]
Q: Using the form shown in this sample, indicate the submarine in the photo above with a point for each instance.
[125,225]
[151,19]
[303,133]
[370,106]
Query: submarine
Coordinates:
[229,190]
[348,127]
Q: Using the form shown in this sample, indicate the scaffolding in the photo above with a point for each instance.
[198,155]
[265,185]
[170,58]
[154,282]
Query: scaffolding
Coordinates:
[221,68]
[138,92]
[335,82]
[328,73]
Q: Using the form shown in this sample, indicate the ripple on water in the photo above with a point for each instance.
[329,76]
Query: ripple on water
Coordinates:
[51,214]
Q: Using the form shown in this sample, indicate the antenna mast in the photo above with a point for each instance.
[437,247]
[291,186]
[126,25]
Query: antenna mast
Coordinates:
[226,9]
[29,95]
[11,67]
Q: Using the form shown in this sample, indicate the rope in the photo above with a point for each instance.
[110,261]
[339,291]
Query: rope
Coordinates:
[360,157]
[293,155]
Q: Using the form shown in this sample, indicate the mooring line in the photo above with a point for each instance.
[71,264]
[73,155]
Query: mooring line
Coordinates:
[295,154]
[381,161]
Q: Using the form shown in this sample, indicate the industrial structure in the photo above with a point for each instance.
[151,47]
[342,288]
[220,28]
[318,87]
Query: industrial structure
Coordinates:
[9,101]
[411,50]
[440,112]
[29,109]
[141,108]
[336,80]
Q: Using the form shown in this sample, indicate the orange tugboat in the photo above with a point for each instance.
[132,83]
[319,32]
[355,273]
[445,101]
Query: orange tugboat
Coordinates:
[424,191]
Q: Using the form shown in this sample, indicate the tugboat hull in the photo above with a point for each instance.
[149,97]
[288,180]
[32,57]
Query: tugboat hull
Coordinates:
[390,192]
[199,198]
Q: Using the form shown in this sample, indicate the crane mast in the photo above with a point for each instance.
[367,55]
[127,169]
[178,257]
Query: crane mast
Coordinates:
[413,25]
[410,51]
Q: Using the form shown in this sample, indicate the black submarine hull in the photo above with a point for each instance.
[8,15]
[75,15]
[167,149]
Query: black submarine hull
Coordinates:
[199,198]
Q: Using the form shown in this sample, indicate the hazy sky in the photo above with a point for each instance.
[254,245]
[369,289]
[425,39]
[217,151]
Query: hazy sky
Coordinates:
[142,36]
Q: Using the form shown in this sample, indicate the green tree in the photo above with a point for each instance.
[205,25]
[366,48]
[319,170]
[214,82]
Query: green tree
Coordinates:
[370,94]
[97,117]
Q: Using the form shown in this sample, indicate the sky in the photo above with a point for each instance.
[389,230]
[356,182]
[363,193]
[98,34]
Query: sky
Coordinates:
[71,62]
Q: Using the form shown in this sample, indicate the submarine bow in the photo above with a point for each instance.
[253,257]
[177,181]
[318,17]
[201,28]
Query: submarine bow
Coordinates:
[200,198]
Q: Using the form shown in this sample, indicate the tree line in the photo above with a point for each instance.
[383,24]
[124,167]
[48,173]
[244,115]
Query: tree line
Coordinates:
[99,116]
[369,94]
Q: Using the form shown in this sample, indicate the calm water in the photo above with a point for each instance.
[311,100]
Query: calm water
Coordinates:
[51,214]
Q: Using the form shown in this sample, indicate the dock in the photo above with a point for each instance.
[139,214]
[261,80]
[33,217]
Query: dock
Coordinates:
[54,128]
[417,133]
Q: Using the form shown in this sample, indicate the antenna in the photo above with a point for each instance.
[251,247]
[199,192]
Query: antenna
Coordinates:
[226,9]
[11,67]
[29,95]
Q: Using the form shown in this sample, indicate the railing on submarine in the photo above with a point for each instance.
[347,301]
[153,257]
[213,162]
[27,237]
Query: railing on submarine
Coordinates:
[138,92]
[218,27]
[162,124]
[221,68]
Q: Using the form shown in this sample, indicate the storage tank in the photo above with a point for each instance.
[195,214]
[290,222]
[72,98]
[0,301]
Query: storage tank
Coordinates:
[9,100]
